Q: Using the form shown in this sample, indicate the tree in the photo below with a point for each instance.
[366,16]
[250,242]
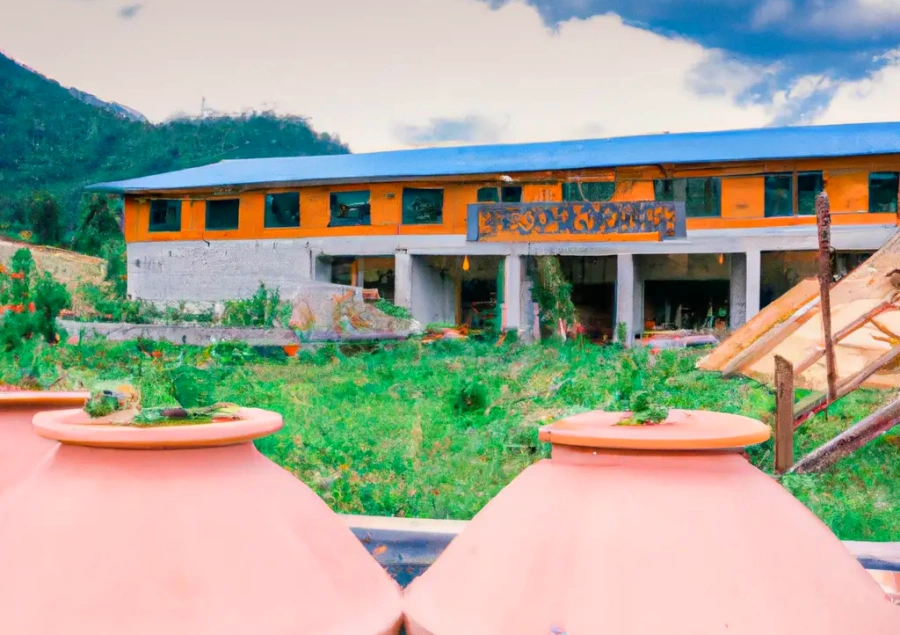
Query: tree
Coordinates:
[45,218]
[99,224]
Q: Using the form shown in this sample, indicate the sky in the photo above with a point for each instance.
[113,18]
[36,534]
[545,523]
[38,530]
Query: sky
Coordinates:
[392,74]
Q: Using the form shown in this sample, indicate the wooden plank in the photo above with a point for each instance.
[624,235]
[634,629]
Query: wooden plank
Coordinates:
[784,414]
[863,319]
[771,339]
[775,313]
[851,439]
[808,407]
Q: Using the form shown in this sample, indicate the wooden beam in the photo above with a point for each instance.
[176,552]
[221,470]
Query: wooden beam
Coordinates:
[813,404]
[771,338]
[784,414]
[823,221]
[851,439]
[816,355]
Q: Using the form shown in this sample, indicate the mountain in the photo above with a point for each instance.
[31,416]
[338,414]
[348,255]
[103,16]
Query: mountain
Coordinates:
[58,140]
[117,109]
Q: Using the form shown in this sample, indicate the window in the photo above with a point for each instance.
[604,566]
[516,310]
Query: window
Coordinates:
[165,216]
[809,184]
[779,195]
[350,208]
[423,207]
[702,197]
[594,191]
[883,188]
[507,194]
[222,214]
[282,210]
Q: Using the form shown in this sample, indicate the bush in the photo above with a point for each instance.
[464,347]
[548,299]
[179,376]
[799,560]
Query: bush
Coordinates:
[29,304]
[391,309]
[99,226]
[259,310]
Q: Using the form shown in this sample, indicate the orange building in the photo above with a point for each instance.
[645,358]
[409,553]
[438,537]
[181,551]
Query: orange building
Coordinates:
[728,216]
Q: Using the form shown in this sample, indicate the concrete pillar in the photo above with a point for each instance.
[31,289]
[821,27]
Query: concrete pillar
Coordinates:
[629,298]
[321,266]
[426,292]
[403,280]
[518,303]
[360,273]
[513,274]
[744,287]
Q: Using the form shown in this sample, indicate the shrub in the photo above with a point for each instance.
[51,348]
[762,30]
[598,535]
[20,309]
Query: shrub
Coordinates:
[259,310]
[29,304]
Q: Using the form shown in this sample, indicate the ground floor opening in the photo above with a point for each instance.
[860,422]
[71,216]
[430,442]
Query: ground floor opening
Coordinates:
[369,272]
[593,280]
[685,291]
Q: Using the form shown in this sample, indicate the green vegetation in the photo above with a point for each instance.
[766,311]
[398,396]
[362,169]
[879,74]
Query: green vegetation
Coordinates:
[29,303]
[52,144]
[436,430]
[261,310]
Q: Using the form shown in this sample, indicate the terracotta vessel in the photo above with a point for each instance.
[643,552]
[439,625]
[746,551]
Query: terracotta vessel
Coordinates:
[647,530]
[182,530]
[291,350]
[20,448]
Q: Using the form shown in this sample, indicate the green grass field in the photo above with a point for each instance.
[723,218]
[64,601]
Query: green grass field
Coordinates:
[436,430]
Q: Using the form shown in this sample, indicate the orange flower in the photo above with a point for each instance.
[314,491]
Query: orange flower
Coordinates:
[18,308]
[156,354]
[17,276]
[31,308]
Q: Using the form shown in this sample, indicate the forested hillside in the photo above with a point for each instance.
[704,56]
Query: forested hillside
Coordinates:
[52,144]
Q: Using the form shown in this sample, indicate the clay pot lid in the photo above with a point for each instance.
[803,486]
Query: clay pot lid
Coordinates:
[38,398]
[682,430]
[73,427]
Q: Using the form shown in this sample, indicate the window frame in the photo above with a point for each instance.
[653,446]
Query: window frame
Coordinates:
[715,182]
[896,202]
[214,202]
[408,192]
[790,176]
[820,174]
[267,210]
[154,228]
[578,186]
[365,215]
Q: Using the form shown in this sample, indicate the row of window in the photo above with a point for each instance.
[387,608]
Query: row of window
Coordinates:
[425,206]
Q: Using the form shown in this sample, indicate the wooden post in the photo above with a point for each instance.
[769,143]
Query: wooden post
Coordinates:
[823,221]
[784,414]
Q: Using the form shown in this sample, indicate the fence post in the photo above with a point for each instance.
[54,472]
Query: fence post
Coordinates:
[784,414]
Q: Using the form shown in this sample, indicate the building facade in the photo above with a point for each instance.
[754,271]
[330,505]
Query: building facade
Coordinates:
[660,231]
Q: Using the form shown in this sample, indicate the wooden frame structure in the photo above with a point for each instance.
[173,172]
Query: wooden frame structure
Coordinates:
[869,303]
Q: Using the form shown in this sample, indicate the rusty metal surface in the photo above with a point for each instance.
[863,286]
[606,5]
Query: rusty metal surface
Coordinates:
[523,221]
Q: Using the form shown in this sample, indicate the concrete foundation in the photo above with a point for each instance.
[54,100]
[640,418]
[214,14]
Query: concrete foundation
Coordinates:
[519,311]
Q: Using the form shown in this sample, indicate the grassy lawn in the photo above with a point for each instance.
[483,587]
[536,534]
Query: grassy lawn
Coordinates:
[436,430]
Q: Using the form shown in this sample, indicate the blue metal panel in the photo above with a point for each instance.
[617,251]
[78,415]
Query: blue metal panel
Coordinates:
[698,147]
[582,219]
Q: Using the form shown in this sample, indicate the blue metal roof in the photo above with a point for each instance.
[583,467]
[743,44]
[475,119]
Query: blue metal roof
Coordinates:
[697,147]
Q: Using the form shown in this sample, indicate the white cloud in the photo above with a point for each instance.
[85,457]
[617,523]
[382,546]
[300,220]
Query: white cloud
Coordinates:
[363,69]
[771,11]
[871,99]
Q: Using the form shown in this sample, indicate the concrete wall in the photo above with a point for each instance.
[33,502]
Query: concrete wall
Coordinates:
[199,272]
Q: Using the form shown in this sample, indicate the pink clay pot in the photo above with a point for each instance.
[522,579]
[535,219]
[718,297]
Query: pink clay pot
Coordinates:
[647,530]
[182,530]
[20,448]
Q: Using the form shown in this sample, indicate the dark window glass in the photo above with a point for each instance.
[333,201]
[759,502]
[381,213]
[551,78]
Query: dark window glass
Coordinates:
[350,208]
[282,210]
[883,188]
[511,194]
[809,184]
[594,191]
[223,214]
[779,195]
[701,197]
[488,195]
[423,206]
[165,216]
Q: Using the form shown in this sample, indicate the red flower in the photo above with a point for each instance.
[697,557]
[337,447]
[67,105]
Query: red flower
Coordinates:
[18,308]
[31,307]
[17,276]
